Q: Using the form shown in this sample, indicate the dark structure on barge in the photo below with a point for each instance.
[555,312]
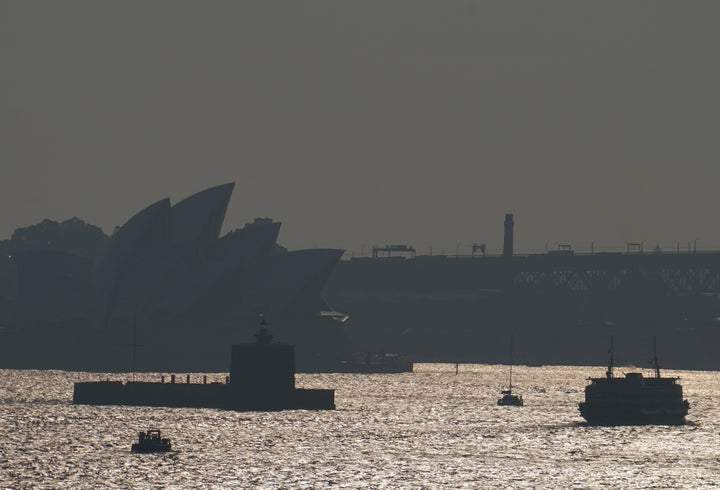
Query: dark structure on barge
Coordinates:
[262,378]
[634,399]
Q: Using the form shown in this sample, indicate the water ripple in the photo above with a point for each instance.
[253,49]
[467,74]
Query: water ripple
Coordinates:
[430,429]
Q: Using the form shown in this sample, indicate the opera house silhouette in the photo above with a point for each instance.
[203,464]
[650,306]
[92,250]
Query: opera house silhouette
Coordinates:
[168,293]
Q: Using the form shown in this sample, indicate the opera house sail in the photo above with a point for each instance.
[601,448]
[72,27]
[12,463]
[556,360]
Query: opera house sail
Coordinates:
[168,275]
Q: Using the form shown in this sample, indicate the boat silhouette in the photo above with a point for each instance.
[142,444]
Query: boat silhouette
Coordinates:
[634,399]
[508,398]
[151,441]
[261,378]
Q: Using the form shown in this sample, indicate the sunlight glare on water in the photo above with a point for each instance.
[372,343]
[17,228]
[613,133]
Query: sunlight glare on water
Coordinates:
[428,429]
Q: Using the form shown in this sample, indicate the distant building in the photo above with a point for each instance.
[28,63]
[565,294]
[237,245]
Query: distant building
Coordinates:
[169,267]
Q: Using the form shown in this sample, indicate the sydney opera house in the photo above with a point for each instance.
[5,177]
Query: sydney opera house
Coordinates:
[167,292]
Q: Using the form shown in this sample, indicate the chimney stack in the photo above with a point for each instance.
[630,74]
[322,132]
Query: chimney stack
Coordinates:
[508,240]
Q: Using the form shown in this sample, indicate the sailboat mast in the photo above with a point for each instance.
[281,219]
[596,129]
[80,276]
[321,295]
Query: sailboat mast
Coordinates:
[511,359]
[134,346]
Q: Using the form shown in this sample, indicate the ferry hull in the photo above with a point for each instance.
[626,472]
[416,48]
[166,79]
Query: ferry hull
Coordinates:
[612,414]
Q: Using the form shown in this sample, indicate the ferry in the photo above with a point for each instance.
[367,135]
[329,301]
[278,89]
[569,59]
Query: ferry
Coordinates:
[634,399]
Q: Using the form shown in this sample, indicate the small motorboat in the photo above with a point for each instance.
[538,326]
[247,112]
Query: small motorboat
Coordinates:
[151,442]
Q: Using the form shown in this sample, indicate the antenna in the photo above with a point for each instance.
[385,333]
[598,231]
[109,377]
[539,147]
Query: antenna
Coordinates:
[655,359]
[609,372]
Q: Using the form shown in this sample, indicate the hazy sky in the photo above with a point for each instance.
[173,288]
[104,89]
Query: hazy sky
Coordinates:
[369,122]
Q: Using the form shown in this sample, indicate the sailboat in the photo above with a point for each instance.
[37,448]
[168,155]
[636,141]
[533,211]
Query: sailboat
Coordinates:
[508,399]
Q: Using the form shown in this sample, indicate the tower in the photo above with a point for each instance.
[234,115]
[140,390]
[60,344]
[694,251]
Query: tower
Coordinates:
[508,239]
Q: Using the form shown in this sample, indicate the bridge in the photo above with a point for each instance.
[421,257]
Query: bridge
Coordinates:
[695,272]
[556,271]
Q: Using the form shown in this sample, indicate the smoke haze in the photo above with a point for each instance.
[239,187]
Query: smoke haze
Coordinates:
[368,122]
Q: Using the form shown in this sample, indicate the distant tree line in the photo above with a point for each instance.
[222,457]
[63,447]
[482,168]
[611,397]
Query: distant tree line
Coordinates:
[73,236]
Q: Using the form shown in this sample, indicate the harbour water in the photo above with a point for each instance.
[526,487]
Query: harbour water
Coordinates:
[428,429]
